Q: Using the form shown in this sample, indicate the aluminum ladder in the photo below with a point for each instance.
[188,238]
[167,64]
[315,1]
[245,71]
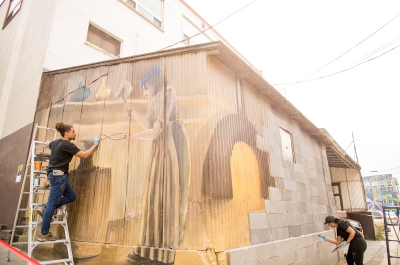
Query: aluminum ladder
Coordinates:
[26,219]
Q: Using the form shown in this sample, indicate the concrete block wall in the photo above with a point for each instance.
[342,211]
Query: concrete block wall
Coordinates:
[303,196]
[302,250]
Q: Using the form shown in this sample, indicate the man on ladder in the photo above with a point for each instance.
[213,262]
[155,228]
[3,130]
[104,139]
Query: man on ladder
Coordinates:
[62,151]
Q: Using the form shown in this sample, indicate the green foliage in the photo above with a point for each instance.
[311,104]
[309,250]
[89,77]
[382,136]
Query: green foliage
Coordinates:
[379,232]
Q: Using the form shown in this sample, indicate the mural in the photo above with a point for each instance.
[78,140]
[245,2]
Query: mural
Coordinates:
[179,165]
[381,191]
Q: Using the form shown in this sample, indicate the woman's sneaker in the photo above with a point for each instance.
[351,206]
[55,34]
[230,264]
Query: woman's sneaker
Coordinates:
[47,237]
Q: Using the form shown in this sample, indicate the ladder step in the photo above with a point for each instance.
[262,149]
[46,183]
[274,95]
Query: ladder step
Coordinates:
[38,223]
[23,209]
[55,261]
[40,144]
[38,204]
[40,172]
[51,242]
[52,223]
[19,243]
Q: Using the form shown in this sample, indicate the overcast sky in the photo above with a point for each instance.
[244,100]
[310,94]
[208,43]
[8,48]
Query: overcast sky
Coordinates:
[289,40]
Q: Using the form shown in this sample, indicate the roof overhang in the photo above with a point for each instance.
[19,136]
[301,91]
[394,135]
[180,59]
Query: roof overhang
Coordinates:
[337,157]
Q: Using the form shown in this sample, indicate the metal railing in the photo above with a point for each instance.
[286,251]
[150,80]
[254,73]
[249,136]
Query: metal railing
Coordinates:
[395,225]
[19,253]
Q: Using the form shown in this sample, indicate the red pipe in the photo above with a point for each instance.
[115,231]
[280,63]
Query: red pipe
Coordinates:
[19,253]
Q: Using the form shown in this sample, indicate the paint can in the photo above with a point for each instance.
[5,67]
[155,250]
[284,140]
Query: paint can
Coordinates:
[36,182]
[38,165]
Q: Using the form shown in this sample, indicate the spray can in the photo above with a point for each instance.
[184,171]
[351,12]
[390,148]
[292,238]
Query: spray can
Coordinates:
[36,181]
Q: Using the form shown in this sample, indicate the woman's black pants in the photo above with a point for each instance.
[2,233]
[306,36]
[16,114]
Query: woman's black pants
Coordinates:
[356,251]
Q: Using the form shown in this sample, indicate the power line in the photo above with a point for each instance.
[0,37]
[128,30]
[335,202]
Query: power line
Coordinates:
[210,26]
[376,50]
[300,81]
[321,77]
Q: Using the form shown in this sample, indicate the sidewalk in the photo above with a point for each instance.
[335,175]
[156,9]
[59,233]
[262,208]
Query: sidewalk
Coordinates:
[375,254]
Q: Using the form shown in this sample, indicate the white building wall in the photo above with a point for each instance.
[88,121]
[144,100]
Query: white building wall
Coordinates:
[22,47]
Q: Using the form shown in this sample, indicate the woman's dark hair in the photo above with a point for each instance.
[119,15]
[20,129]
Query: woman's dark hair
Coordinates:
[63,128]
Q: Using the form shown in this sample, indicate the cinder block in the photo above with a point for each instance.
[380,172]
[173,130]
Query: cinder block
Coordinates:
[295,230]
[259,236]
[242,256]
[307,229]
[290,195]
[299,168]
[290,184]
[286,246]
[268,208]
[300,254]
[289,217]
[274,194]
[288,258]
[303,208]
[258,220]
[314,191]
[265,251]
[307,241]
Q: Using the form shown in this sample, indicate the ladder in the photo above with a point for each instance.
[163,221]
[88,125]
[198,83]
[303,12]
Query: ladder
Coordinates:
[32,196]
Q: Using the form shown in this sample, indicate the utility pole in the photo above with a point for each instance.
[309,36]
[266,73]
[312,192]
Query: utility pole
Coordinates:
[355,150]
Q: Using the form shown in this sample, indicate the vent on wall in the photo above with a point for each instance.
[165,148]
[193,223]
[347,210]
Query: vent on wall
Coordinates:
[103,40]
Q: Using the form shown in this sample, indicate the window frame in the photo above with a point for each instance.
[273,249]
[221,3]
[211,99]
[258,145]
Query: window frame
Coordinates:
[106,34]
[291,145]
[186,39]
[5,23]
[137,3]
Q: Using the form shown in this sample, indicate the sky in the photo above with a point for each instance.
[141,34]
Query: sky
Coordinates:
[291,40]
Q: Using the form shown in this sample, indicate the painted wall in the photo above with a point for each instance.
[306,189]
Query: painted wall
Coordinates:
[380,190]
[213,179]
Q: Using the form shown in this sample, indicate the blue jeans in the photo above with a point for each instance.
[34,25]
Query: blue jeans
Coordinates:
[60,193]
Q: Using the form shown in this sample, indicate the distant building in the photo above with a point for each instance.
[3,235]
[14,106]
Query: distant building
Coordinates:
[380,190]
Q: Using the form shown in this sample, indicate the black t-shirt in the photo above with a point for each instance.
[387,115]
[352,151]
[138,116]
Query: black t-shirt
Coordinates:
[61,154]
[341,230]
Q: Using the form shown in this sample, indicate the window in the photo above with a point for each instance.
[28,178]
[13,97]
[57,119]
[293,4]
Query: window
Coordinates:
[150,9]
[102,40]
[287,146]
[13,8]
[186,39]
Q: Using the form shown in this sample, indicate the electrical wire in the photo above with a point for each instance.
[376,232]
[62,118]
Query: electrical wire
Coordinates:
[375,51]
[210,26]
[300,81]
[347,69]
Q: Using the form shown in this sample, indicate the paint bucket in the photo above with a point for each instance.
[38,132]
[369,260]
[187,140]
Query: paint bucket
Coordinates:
[36,182]
[38,165]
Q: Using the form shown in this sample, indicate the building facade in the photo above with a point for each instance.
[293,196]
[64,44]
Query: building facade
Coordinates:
[39,36]
[380,190]
[234,174]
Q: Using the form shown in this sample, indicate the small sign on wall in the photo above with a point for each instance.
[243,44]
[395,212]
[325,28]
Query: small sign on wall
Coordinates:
[19,173]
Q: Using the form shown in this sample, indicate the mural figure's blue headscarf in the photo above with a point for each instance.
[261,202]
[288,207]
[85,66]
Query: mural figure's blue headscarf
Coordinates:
[155,77]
